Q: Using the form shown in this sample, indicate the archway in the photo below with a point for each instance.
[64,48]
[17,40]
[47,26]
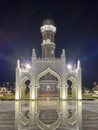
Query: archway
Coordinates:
[24,91]
[49,83]
[72,87]
[27,88]
[69,83]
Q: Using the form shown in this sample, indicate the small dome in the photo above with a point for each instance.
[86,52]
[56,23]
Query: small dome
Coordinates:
[48,22]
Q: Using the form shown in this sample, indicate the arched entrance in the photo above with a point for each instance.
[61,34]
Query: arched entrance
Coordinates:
[72,87]
[48,86]
[24,91]
[49,83]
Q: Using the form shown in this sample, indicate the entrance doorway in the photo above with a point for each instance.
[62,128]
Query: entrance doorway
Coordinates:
[72,88]
[48,86]
[24,88]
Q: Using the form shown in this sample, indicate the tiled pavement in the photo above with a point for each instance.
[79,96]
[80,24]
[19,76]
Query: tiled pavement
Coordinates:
[89,118]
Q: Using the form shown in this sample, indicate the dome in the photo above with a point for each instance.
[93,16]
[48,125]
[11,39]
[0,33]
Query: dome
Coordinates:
[48,22]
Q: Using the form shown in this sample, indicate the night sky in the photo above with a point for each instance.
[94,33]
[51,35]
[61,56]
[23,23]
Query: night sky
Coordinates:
[77,32]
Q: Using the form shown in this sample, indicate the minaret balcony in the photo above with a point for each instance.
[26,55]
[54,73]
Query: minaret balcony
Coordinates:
[48,28]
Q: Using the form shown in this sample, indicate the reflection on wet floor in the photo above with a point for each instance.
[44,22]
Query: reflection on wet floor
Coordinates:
[48,115]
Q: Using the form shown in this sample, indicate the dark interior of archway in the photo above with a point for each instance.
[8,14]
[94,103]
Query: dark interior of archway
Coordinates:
[69,82]
[48,85]
[27,83]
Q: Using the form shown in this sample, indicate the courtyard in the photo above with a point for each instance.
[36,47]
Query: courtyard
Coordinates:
[49,115]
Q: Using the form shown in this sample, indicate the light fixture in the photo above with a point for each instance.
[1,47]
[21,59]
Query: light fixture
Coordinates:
[69,66]
[28,66]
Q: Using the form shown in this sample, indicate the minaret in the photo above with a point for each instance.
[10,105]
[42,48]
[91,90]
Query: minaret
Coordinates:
[48,31]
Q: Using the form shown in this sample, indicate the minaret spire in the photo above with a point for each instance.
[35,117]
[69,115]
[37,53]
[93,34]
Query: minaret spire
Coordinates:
[33,52]
[78,64]
[18,63]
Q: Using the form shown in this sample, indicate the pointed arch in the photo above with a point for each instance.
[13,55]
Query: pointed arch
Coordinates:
[23,87]
[25,78]
[73,86]
[48,70]
[73,80]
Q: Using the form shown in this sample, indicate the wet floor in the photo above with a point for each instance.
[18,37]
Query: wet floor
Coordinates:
[49,115]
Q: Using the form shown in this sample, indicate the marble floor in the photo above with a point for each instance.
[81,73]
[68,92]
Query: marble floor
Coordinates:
[49,115]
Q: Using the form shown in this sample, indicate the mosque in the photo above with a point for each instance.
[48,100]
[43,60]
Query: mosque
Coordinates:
[48,76]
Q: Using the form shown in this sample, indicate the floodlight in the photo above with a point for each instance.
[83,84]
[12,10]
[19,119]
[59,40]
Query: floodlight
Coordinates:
[69,66]
[28,66]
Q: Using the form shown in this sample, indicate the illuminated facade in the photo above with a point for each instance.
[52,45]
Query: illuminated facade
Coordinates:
[48,75]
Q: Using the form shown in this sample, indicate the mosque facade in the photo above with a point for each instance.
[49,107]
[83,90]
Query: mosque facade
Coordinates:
[48,76]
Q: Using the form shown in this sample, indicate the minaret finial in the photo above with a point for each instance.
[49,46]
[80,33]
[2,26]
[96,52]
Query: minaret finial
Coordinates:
[18,63]
[63,52]
[33,52]
[78,64]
